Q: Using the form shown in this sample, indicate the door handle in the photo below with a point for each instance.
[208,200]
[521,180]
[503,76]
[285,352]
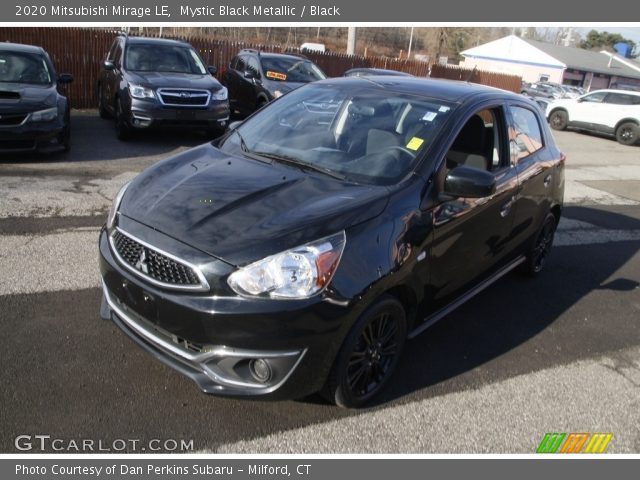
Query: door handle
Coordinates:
[547,180]
[506,208]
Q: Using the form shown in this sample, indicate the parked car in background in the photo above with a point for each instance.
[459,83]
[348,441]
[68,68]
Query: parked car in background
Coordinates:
[570,92]
[342,219]
[34,115]
[541,89]
[313,47]
[366,72]
[255,78]
[151,82]
[611,112]
[542,102]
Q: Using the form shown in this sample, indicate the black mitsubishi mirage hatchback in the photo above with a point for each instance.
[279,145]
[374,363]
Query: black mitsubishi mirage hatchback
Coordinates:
[298,252]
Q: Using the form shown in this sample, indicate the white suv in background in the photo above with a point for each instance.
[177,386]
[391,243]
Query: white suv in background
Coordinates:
[612,112]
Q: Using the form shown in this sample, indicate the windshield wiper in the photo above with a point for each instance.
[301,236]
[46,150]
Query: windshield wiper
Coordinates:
[243,144]
[297,163]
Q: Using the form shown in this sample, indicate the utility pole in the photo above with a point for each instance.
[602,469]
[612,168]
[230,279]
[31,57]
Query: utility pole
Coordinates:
[351,41]
[410,43]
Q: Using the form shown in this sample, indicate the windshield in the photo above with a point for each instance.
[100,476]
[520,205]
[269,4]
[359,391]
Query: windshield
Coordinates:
[19,67]
[365,135]
[287,69]
[163,58]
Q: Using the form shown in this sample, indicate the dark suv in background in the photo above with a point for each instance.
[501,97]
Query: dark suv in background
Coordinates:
[149,82]
[34,116]
[255,78]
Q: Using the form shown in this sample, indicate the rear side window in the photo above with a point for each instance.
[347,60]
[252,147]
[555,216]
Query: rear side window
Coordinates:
[597,97]
[117,55]
[240,64]
[253,66]
[112,51]
[527,135]
[622,99]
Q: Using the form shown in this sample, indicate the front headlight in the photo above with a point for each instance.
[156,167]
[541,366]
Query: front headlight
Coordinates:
[47,115]
[301,272]
[111,219]
[138,91]
[221,94]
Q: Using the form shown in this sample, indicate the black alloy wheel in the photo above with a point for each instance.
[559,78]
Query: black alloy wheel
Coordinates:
[369,354]
[542,247]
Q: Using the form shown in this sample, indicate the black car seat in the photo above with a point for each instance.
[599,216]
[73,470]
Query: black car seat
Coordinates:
[469,147]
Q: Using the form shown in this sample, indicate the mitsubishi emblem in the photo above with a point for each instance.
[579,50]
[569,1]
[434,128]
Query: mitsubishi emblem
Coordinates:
[141,264]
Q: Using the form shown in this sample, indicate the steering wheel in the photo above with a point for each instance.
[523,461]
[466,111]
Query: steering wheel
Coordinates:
[403,151]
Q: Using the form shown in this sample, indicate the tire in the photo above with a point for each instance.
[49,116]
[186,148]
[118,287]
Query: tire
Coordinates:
[261,103]
[627,133]
[66,139]
[102,111]
[539,251]
[362,368]
[123,131]
[559,120]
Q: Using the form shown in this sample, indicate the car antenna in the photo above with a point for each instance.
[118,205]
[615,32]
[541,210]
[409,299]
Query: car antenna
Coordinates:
[471,74]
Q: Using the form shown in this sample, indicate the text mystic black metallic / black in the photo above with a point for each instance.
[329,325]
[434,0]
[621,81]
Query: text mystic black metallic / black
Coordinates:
[298,252]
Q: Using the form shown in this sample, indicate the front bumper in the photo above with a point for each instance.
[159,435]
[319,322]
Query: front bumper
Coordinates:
[145,114]
[213,339]
[216,369]
[42,137]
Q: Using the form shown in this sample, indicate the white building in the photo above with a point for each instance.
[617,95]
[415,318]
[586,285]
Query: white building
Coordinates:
[538,61]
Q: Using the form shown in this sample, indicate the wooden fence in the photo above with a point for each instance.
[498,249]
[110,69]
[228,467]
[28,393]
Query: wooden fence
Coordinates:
[80,51]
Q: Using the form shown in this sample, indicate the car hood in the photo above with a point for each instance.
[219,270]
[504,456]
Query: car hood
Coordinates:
[241,210]
[19,98]
[173,80]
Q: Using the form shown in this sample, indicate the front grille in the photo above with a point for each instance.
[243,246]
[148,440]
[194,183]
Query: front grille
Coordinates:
[5,95]
[151,263]
[179,97]
[12,119]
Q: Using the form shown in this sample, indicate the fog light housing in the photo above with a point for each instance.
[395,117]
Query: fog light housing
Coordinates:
[260,370]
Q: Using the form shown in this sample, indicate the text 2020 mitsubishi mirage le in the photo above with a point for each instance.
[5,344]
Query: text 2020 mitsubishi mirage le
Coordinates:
[297,253]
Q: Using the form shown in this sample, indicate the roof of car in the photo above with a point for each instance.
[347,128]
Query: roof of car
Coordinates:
[262,54]
[381,71]
[155,41]
[19,47]
[617,90]
[447,90]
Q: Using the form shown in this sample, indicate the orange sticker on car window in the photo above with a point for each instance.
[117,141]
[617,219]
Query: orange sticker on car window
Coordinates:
[276,75]
[415,143]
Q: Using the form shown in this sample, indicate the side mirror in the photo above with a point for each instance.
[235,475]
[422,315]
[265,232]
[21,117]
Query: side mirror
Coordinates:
[65,78]
[469,183]
[212,70]
[250,75]
[579,100]
[108,65]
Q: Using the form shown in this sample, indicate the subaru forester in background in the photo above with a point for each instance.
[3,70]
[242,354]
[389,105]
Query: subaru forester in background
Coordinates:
[151,82]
